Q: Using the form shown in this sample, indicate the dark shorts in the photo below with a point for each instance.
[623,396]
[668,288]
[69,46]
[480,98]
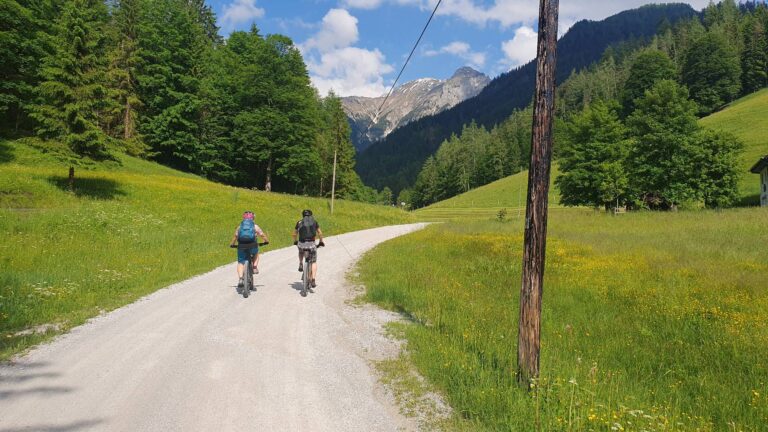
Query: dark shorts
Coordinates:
[242,256]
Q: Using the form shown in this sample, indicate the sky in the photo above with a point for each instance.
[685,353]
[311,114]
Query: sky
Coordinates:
[357,47]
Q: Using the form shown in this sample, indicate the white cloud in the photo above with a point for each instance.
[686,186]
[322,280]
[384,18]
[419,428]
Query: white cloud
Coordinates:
[335,64]
[521,48]
[350,71]
[461,50]
[239,12]
[338,30]
[509,13]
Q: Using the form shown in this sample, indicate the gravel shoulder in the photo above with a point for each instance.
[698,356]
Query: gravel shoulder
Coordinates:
[196,356]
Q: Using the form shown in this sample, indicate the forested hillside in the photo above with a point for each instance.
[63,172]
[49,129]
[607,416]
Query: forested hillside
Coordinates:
[626,131]
[153,78]
[396,160]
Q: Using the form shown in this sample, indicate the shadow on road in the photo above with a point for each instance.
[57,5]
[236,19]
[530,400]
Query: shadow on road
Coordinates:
[70,427]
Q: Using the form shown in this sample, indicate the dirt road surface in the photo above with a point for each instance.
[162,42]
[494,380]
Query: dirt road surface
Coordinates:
[197,356]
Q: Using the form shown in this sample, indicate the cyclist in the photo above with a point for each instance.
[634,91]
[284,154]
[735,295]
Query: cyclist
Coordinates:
[246,233]
[304,237]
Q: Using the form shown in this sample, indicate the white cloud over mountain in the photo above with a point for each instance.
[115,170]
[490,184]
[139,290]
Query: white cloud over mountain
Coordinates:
[335,64]
[462,50]
[521,48]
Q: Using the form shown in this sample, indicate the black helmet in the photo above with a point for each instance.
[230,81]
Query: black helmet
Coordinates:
[306,212]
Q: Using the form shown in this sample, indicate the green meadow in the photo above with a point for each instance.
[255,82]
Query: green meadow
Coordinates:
[129,228]
[746,118]
[651,322]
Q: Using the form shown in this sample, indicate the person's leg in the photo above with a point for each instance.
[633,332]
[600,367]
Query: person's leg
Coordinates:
[301,259]
[240,268]
[256,263]
[313,273]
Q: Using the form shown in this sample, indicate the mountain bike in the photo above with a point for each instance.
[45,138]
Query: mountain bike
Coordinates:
[248,270]
[307,267]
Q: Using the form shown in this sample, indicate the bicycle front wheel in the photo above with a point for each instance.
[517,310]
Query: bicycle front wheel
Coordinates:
[247,279]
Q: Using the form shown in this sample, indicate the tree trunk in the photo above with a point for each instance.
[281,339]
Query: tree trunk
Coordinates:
[534,251]
[71,180]
[127,121]
[268,182]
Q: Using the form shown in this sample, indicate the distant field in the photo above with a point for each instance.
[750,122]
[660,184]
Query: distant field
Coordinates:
[128,229]
[746,118]
[651,321]
[509,193]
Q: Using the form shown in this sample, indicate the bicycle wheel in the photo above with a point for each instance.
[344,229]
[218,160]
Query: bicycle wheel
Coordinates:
[247,279]
[305,278]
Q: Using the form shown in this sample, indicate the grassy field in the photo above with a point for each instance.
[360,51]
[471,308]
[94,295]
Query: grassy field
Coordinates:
[485,202]
[127,230]
[651,322]
[746,118]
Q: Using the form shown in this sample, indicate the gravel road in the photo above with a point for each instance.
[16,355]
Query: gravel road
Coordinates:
[197,356]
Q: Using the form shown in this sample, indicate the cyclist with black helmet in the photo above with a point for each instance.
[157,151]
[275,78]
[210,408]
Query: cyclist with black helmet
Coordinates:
[245,233]
[307,229]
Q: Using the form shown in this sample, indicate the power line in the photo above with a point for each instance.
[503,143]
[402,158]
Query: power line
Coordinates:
[378,111]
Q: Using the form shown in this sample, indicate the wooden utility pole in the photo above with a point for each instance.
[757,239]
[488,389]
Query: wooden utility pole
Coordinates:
[538,192]
[333,184]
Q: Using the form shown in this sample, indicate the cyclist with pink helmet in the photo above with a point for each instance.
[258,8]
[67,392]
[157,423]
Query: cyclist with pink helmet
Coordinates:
[246,233]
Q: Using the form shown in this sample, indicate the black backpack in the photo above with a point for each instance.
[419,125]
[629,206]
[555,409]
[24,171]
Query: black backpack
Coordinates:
[307,230]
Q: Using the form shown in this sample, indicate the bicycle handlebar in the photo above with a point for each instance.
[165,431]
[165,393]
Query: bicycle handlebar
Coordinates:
[247,245]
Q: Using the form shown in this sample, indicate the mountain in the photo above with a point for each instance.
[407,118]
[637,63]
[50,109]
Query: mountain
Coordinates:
[396,160]
[409,102]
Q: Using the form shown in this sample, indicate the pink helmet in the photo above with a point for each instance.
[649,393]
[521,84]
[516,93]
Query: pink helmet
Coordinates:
[248,215]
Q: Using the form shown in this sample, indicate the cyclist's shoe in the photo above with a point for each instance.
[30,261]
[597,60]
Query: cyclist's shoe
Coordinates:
[240,283]
[301,267]
[314,285]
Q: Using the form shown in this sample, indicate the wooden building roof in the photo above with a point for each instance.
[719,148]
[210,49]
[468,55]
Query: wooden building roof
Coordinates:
[760,165]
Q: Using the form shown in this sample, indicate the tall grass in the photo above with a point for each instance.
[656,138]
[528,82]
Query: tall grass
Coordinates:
[127,230]
[651,321]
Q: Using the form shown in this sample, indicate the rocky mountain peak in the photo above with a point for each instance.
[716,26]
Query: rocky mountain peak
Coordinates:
[411,101]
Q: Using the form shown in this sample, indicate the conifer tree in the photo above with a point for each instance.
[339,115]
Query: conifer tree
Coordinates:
[124,62]
[72,92]
[712,71]
[754,60]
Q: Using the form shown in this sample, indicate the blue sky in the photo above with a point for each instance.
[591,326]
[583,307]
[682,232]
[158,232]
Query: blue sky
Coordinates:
[356,47]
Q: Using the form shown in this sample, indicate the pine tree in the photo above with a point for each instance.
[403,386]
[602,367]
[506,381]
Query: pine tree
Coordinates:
[124,61]
[712,71]
[754,60]
[172,47]
[22,44]
[72,92]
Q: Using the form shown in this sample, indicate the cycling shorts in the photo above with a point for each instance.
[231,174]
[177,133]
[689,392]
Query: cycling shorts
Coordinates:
[242,256]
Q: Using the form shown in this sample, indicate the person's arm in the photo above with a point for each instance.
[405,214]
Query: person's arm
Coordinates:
[234,238]
[295,235]
[264,237]
[320,235]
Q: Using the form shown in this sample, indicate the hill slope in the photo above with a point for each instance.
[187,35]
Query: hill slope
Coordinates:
[126,231]
[396,160]
[747,118]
